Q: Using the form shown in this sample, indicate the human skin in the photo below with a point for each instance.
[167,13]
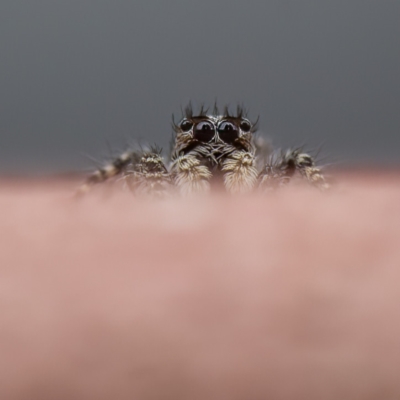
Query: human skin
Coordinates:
[290,295]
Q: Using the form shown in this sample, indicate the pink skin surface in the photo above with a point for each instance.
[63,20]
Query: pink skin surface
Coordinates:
[291,295]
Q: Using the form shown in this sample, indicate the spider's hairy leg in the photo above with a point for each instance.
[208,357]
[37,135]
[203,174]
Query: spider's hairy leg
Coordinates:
[109,170]
[280,170]
[310,171]
[240,172]
[190,175]
[149,176]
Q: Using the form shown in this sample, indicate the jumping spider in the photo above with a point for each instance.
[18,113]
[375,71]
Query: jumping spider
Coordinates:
[211,148]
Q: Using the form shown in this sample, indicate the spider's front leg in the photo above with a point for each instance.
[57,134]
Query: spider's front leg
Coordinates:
[149,176]
[240,172]
[110,170]
[190,173]
[280,170]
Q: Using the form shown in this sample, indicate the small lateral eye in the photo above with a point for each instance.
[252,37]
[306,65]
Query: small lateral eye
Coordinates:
[204,131]
[245,126]
[186,125]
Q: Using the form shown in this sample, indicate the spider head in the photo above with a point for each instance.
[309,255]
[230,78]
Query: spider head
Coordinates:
[214,129]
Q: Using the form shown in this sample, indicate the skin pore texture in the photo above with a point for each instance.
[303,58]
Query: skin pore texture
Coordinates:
[293,294]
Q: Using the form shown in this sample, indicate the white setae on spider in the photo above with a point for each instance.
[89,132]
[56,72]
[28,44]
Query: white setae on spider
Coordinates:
[210,149]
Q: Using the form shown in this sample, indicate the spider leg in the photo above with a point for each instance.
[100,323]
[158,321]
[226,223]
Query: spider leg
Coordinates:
[109,170]
[240,172]
[149,176]
[281,169]
[190,174]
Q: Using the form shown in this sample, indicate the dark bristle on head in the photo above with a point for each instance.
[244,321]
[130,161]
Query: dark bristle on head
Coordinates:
[174,125]
[226,112]
[240,113]
[203,111]
[255,124]
[188,113]
[215,108]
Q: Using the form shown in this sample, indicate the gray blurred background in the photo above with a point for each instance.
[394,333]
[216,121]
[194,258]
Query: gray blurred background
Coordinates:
[76,74]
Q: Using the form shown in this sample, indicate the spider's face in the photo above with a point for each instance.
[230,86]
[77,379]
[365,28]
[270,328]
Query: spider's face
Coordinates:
[210,129]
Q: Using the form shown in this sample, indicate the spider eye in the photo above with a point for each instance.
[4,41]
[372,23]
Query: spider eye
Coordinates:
[228,132]
[245,126]
[204,131]
[186,125]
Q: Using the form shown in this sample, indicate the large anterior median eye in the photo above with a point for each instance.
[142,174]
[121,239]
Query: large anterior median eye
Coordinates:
[204,131]
[186,125]
[228,132]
